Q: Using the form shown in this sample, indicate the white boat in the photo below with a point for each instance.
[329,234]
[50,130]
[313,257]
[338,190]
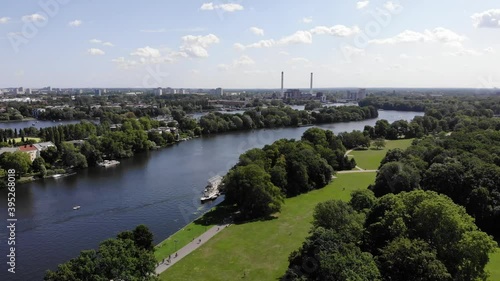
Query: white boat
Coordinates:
[211,192]
[57,176]
[108,163]
[76,207]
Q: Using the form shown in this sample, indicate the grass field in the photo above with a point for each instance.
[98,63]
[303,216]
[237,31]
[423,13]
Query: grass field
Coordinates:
[494,266]
[182,237]
[370,159]
[259,250]
[18,140]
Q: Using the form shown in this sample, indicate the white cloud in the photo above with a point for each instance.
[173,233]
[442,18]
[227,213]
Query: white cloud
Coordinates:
[95,52]
[336,30]
[307,20]
[438,34]
[350,51]
[4,20]
[123,63]
[489,50]
[392,7]
[299,37]
[99,41]
[489,18]
[207,6]
[223,67]
[33,18]
[362,4]
[464,52]
[262,44]
[228,7]
[257,31]
[75,23]
[283,53]
[146,52]
[404,56]
[243,60]
[196,46]
[299,60]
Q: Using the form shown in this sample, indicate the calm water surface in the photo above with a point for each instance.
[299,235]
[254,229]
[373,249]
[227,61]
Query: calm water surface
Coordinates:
[160,189]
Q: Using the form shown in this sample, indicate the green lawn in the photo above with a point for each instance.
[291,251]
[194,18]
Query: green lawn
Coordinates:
[370,159]
[18,140]
[189,232]
[259,250]
[493,266]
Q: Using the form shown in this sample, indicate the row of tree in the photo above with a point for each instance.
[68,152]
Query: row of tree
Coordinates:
[411,236]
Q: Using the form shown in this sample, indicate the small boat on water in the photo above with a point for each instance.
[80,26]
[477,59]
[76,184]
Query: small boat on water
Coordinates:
[211,192]
[76,207]
[108,163]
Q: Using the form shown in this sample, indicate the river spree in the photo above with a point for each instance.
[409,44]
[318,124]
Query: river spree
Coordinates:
[161,189]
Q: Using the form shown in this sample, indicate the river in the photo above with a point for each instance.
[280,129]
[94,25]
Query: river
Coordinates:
[160,189]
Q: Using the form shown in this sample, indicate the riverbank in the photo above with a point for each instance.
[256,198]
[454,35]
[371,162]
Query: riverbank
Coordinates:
[259,250]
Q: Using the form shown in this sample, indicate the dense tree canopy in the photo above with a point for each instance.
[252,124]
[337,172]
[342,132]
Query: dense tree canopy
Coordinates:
[414,235]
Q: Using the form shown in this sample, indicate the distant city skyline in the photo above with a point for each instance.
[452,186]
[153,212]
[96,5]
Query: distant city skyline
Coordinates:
[247,44]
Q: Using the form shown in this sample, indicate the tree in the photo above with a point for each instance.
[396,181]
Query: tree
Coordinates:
[17,160]
[379,143]
[338,215]
[39,166]
[143,238]
[381,128]
[362,200]
[395,177]
[412,260]
[251,189]
[116,259]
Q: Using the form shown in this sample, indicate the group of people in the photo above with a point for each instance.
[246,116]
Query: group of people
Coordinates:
[167,260]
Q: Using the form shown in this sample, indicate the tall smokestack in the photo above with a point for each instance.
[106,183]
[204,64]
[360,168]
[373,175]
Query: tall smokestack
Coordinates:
[282,82]
[311,83]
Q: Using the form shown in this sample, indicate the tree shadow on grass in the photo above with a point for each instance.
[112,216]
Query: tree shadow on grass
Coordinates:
[217,215]
[227,213]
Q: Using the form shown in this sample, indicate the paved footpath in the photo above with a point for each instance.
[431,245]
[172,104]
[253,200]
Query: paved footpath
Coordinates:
[195,244]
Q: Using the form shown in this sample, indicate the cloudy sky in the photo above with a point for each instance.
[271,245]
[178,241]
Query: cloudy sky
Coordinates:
[247,43]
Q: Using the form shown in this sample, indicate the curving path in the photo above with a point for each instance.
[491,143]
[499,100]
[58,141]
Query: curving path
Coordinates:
[186,250]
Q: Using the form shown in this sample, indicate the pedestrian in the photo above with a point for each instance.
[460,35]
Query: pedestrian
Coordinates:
[199,241]
[175,254]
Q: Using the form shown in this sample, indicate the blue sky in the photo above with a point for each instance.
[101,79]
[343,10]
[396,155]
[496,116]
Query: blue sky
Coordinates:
[246,44]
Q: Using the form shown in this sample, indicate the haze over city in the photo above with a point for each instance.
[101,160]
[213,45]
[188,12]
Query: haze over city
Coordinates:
[246,44]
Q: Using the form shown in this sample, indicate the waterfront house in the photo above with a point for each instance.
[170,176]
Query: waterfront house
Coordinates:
[31,150]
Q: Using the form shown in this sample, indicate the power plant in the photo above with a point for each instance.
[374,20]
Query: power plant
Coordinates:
[298,94]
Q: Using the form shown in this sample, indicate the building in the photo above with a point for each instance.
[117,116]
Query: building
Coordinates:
[219,92]
[292,94]
[8,149]
[321,97]
[31,150]
[97,92]
[41,146]
[361,94]
[158,92]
